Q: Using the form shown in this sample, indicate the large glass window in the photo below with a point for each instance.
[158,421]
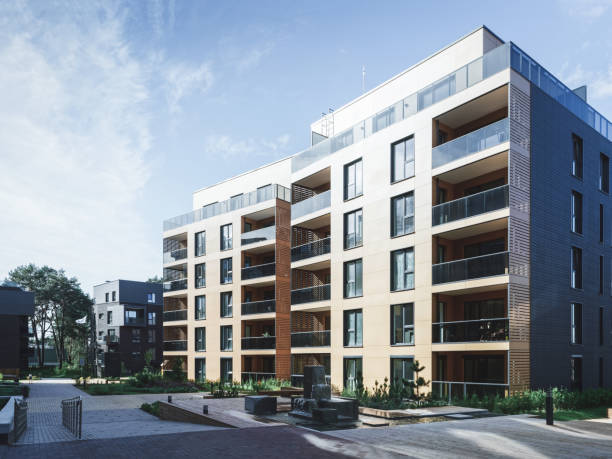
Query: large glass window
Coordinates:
[136,335]
[226,237]
[200,339]
[402,214]
[200,307]
[353,328]
[200,369]
[402,269]
[576,268]
[576,212]
[226,337]
[151,335]
[402,324]
[353,372]
[402,159]
[401,369]
[577,156]
[151,318]
[226,304]
[353,179]
[604,173]
[353,229]
[575,323]
[226,271]
[200,275]
[226,370]
[109,317]
[200,243]
[353,279]
[576,373]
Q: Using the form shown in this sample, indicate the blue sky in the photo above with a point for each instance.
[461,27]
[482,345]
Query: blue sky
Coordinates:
[113,113]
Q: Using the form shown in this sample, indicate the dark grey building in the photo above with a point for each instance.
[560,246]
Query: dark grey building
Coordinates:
[16,305]
[128,317]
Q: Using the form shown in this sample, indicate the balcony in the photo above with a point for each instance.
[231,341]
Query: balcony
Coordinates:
[494,264]
[111,339]
[171,316]
[453,390]
[311,249]
[138,321]
[175,255]
[256,376]
[310,205]
[258,307]
[254,272]
[175,345]
[311,294]
[259,342]
[174,285]
[482,330]
[259,235]
[310,338]
[470,206]
[479,140]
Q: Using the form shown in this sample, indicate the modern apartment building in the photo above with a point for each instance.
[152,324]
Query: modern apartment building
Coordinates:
[458,214]
[16,307]
[128,318]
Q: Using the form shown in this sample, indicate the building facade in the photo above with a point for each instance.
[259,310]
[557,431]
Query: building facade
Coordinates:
[16,306]
[456,214]
[128,318]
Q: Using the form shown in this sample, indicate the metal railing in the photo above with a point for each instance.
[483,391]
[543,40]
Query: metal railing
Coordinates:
[175,345]
[72,415]
[179,284]
[311,249]
[175,255]
[469,206]
[464,331]
[135,321]
[307,206]
[453,390]
[311,294]
[253,272]
[298,380]
[178,314]
[310,338]
[258,307]
[259,342]
[259,235]
[256,376]
[494,264]
[478,140]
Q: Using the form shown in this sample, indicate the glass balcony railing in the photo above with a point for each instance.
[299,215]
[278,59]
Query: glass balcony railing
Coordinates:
[478,140]
[175,345]
[469,206]
[310,338]
[310,205]
[256,376]
[494,264]
[258,307]
[175,255]
[171,316]
[457,390]
[136,321]
[311,249]
[259,342]
[259,235]
[171,286]
[311,294]
[253,272]
[464,331]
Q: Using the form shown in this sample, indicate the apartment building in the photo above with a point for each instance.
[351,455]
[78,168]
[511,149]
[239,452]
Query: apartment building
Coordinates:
[458,214]
[128,318]
[16,307]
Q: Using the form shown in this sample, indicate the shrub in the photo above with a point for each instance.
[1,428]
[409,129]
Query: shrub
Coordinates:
[152,408]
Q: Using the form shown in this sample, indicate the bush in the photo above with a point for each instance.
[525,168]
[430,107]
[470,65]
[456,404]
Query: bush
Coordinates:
[8,390]
[152,408]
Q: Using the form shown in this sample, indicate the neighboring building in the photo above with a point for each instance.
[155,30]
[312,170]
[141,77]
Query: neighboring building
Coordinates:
[16,305]
[128,317]
[430,220]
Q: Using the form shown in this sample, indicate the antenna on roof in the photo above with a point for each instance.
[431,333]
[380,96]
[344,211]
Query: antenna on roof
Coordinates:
[363,78]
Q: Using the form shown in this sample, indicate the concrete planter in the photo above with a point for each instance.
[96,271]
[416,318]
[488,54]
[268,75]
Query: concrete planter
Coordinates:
[13,419]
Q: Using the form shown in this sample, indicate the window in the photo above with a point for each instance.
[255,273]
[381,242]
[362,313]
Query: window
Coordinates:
[604,173]
[226,304]
[200,339]
[402,214]
[111,332]
[402,269]
[576,269]
[106,296]
[353,229]
[576,373]
[601,223]
[136,336]
[101,316]
[114,296]
[200,275]
[200,369]
[576,323]
[353,328]
[109,317]
[601,372]
[353,275]
[601,326]
[226,237]
[226,337]
[151,335]
[601,274]
[200,307]
[402,159]
[151,318]
[577,156]
[576,212]
[353,372]
[402,324]
[226,271]
[401,369]
[353,179]
[226,370]
[200,243]
[150,297]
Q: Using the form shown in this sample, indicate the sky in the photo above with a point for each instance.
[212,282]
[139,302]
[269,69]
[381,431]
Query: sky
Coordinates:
[113,113]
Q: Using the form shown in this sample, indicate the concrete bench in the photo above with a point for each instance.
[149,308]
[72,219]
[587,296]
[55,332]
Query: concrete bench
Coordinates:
[260,404]
[325,415]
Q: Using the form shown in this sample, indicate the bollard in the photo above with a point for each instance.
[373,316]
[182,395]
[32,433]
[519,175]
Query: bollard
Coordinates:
[169,398]
[205,409]
[549,408]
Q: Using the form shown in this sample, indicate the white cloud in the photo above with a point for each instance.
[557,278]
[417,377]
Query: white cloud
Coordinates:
[182,80]
[599,83]
[252,57]
[588,9]
[229,147]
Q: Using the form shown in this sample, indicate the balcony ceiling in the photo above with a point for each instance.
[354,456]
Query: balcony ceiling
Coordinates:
[476,108]
[476,169]
[475,230]
[317,222]
[315,180]
[261,214]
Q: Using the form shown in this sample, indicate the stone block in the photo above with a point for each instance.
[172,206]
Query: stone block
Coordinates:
[345,407]
[313,374]
[325,415]
[260,404]
[321,391]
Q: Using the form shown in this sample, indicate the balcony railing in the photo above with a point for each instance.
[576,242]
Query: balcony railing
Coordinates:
[479,140]
[258,307]
[311,249]
[494,264]
[298,380]
[310,294]
[259,235]
[175,255]
[171,316]
[175,345]
[453,390]
[253,272]
[469,206]
[111,339]
[259,342]
[179,284]
[140,321]
[310,205]
[256,376]
[310,338]
[464,331]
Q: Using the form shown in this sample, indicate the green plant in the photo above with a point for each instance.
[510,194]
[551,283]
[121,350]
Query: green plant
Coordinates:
[152,408]
[419,382]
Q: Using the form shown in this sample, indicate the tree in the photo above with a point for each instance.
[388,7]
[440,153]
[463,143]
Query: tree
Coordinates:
[419,382]
[155,280]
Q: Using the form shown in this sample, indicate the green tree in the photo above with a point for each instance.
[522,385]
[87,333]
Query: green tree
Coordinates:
[419,382]
[155,280]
